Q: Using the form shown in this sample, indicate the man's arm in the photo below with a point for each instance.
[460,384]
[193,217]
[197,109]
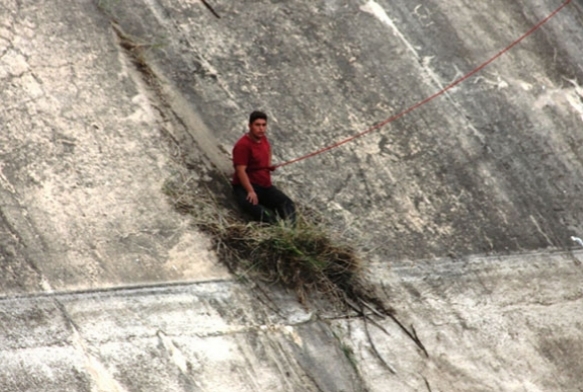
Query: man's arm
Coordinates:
[244,178]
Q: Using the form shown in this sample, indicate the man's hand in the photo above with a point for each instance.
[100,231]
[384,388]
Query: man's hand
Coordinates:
[252,198]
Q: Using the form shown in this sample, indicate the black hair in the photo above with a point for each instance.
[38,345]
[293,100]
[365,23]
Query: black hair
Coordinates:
[257,115]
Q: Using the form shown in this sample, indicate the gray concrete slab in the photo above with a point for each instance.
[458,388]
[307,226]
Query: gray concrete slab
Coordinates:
[487,323]
[85,155]
[196,337]
[497,323]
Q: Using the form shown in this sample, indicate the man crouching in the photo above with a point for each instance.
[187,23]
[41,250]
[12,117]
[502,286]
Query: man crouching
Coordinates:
[252,185]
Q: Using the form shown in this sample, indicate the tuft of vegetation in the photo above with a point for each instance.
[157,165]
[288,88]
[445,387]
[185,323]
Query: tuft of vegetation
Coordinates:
[303,257]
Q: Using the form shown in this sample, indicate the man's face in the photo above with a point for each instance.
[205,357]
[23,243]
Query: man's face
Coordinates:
[258,128]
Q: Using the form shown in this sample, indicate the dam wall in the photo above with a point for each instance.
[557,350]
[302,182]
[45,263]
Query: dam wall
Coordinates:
[462,209]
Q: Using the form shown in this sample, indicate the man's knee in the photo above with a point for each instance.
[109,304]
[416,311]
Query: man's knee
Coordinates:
[287,210]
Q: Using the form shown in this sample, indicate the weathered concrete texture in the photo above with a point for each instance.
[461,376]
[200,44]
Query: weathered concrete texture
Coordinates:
[495,165]
[85,154]
[105,100]
[166,338]
[487,323]
[510,323]
[86,147]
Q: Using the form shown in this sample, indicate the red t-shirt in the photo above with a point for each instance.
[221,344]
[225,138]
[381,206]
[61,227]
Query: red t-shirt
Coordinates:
[254,155]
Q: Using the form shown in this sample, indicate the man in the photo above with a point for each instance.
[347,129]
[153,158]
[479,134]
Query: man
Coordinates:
[252,185]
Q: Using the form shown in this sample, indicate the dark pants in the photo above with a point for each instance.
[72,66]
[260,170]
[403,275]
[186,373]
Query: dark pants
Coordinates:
[273,204]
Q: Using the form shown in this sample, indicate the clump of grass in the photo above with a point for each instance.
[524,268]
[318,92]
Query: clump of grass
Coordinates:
[303,257]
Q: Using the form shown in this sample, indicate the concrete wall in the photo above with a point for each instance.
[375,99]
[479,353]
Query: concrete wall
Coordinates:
[491,166]
[463,208]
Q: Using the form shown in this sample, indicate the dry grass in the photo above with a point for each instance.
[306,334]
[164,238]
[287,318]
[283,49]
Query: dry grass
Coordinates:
[300,257]
[303,257]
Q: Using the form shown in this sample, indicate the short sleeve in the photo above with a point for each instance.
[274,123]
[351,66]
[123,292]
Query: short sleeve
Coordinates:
[241,154]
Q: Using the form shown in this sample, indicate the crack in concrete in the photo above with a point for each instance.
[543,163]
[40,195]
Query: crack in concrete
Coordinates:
[175,354]
[99,373]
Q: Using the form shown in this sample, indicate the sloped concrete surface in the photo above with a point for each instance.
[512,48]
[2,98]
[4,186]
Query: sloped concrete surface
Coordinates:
[463,209]
[170,338]
[493,323]
[501,148]
[84,158]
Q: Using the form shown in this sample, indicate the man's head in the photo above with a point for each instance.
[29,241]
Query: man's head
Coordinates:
[257,125]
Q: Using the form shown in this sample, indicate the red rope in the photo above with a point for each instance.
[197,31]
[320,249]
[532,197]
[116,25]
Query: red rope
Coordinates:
[423,102]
